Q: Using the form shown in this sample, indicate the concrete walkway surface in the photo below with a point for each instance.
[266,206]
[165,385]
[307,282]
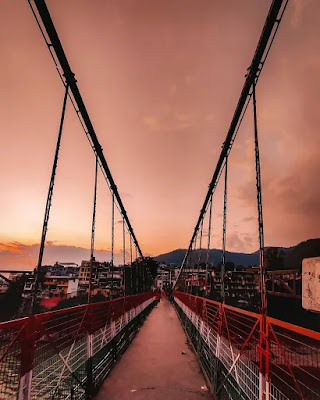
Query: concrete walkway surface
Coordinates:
[153,367]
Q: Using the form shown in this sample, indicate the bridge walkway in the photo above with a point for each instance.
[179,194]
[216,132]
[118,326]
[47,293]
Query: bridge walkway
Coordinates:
[155,367]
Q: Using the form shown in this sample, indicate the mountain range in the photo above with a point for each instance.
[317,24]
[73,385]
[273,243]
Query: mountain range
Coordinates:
[291,257]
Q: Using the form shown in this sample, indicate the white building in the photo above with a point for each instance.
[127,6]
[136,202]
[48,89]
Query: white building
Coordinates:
[166,276]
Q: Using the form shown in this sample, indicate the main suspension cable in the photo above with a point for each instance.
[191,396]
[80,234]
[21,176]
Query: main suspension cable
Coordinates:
[58,56]
[266,40]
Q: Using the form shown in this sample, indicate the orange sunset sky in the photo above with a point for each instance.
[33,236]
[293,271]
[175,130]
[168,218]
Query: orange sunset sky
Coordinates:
[160,80]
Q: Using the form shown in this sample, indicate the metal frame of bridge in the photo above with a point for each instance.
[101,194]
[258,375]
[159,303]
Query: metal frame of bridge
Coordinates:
[66,354]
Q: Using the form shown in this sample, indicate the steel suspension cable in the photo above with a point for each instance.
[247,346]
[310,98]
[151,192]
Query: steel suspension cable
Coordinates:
[194,253]
[192,261]
[131,281]
[224,231]
[199,257]
[259,205]
[124,241]
[263,338]
[136,289]
[59,58]
[93,227]
[112,243]
[186,259]
[124,254]
[48,204]
[208,243]
[130,249]
[266,40]
[200,243]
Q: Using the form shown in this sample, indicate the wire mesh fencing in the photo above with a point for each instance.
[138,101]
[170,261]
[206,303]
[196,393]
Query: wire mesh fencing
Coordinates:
[229,341]
[66,354]
[294,368]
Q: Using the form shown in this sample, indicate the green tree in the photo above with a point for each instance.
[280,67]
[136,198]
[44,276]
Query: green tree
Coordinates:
[11,300]
[151,265]
[274,258]
[144,271]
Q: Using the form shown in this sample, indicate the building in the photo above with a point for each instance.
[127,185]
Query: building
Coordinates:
[60,286]
[14,276]
[197,280]
[84,272]
[62,269]
[105,278]
[58,280]
[4,285]
[240,287]
[166,277]
[28,286]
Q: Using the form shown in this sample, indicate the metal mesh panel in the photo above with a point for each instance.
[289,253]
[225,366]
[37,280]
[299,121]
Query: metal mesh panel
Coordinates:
[294,362]
[227,341]
[53,349]
[11,335]
[61,353]
[238,348]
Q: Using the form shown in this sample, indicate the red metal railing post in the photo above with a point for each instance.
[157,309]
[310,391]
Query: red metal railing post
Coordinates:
[267,361]
[217,355]
[42,355]
[264,355]
[28,345]
[88,322]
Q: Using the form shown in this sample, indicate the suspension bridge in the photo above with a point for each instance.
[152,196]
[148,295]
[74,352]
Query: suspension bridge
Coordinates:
[137,346]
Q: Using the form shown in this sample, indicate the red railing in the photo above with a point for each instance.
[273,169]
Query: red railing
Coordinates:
[294,362]
[44,356]
[267,359]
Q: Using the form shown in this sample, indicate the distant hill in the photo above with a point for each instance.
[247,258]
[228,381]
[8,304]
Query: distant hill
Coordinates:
[309,248]
[176,257]
[292,256]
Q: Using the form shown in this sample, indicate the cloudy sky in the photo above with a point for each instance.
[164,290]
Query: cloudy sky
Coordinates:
[161,80]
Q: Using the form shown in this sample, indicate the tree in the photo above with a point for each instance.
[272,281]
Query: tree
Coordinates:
[152,265]
[274,258]
[144,271]
[229,266]
[11,300]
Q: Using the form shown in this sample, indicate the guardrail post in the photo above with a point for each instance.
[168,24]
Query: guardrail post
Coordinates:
[217,355]
[263,349]
[89,382]
[113,336]
[28,345]
[125,317]
[267,361]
